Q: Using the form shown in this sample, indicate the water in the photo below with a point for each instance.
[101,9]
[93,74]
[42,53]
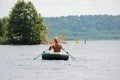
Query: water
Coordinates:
[96,60]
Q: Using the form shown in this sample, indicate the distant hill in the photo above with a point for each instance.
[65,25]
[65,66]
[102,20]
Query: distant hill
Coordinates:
[84,27]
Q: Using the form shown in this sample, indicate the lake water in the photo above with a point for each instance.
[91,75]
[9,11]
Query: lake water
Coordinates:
[96,60]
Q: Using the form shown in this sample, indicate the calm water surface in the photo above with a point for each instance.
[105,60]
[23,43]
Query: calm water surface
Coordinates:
[96,60]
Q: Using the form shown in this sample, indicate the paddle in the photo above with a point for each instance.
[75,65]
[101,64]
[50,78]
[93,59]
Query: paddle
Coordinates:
[67,53]
[39,55]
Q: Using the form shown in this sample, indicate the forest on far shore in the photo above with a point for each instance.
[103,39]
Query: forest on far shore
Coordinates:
[84,27]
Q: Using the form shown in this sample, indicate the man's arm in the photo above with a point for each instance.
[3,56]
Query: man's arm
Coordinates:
[50,47]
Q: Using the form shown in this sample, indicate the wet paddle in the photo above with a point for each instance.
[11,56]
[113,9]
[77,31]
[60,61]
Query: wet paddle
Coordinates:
[67,53]
[39,55]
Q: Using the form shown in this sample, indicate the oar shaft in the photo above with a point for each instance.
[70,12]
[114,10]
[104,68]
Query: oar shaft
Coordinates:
[71,56]
[68,53]
[39,55]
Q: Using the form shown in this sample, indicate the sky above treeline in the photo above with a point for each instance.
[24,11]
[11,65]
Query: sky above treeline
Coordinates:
[56,8]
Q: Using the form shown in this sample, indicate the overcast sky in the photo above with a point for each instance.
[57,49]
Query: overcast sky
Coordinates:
[50,8]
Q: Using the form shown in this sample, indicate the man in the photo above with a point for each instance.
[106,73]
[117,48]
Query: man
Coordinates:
[57,46]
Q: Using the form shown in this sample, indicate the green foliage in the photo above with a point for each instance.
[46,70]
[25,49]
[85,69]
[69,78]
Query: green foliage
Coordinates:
[3,30]
[26,25]
[88,27]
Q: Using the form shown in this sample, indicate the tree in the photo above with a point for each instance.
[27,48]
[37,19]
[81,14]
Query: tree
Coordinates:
[1,26]
[26,25]
[3,30]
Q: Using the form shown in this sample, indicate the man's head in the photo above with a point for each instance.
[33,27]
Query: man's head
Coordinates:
[56,40]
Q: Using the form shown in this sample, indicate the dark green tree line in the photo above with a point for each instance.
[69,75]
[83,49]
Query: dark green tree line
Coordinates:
[85,26]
